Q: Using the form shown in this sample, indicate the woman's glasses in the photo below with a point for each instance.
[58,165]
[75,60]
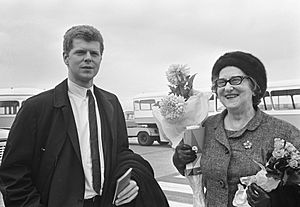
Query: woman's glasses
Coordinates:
[234,80]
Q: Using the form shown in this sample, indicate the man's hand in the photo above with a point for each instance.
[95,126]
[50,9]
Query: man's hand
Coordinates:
[185,154]
[127,194]
[257,197]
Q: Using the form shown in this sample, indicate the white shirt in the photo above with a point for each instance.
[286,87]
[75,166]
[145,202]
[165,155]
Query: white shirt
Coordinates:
[79,102]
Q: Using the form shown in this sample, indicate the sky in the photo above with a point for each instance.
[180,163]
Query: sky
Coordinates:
[142,38]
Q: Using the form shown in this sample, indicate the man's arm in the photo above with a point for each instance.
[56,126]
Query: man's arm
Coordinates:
[16,182]
[122,130]
[143,187]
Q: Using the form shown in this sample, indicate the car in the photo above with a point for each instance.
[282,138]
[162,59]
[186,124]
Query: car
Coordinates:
[3,138]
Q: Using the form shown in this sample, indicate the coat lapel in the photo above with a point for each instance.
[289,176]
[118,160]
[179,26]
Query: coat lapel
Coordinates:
[104,104]
[107,133]
[72,130]
[61,100]
[221,137]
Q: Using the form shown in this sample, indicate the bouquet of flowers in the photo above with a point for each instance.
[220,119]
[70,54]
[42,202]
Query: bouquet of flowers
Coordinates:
[182,107]
[180,116]
[284,161]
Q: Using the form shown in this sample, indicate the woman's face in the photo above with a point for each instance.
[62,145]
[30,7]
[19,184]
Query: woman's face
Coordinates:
[235,97]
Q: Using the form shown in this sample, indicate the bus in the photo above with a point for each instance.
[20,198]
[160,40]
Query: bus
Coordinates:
[143,104]
[11,100]
[282,100]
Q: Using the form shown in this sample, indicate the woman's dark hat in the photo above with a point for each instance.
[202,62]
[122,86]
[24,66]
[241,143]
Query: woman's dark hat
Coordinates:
[246,62]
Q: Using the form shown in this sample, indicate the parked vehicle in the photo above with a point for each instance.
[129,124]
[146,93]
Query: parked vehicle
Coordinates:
[283,102]
[146,134]
[140,121]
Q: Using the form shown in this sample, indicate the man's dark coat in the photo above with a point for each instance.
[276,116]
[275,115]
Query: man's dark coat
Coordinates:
[42,161]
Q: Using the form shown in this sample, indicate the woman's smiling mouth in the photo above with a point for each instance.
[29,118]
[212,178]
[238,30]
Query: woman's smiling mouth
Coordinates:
[230,96]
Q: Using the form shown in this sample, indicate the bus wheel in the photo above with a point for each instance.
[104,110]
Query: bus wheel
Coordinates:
[144,139]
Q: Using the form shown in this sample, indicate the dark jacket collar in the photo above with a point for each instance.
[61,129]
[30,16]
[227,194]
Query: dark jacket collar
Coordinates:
[61,94]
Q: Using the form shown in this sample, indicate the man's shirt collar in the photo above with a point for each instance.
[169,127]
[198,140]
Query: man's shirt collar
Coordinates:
[78,90]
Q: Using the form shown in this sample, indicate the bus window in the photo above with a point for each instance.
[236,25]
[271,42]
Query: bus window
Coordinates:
[136,106]
[297,101]
[129,115]
[286,99]
[266,103]
[211,104]
[220,106]
[9,107]
[147,104]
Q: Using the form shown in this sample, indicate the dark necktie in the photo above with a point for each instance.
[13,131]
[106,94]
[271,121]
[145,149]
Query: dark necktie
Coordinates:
[94,143]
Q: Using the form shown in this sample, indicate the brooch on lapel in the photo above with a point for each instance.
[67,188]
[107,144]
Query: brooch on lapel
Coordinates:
[247,144]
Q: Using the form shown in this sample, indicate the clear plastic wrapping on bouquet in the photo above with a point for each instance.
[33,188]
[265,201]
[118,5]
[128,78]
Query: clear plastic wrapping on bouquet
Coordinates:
[194,136]
[196,184]
[267,183]
[195,111]
[187,127]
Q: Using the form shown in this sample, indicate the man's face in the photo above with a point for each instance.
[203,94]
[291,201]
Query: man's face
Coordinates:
[83,62]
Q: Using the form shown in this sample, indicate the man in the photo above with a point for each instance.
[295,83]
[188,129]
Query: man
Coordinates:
[68,145]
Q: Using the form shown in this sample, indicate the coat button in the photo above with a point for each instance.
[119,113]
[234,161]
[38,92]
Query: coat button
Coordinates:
[221,183]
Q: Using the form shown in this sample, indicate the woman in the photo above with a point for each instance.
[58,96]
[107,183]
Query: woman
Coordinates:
[240,134]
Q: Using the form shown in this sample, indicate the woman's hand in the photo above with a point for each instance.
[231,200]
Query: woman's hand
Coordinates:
[293,178]
[257,197]
[185,154]
[127,194]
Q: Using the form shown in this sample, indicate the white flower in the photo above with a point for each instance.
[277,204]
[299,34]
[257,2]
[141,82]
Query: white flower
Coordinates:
[287,150]
[289,147]
[295,156]
[177,74]
[293,163]
[278,143]
[172,107]
[278,153]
